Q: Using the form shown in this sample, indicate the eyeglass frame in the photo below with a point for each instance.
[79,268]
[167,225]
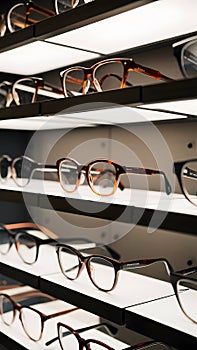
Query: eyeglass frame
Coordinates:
[39,85]
[129,65]
[120,170]
[18,307]
[178,49]
[127,265]
[30,5]
[110,329]
[52,240]
[117,264]
[182,275]
[177,168]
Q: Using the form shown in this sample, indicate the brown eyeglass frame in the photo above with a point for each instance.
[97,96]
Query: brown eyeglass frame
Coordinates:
[120,170]
[84,261]
[18,307]
[128,65]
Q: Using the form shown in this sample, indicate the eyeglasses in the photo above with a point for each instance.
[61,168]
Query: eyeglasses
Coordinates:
[104,273]
[103,176]
[27,90]
[64,5]
[71,338]
[105,75]
[32,320]
[24,14]
[185,52]
[21,169]
[186,172]
[28,245]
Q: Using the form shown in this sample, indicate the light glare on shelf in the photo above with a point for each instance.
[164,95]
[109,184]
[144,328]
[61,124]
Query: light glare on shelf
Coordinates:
[146,24]
[39,57]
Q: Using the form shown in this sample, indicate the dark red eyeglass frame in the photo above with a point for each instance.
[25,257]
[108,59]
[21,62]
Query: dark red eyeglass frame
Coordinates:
[120,170]
[84,261]
[18,307]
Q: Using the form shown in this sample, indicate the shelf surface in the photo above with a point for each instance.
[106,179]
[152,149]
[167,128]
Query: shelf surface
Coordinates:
[165,320]
[149,208]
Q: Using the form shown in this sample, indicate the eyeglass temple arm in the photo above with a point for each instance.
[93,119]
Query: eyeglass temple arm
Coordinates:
[109,328]
[60,313]
[42,9]
[144,171]
[127,265]
[152,73]
[187,272]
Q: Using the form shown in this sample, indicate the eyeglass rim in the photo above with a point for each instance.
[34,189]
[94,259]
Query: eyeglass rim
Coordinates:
[178,168]
[39,83]
[178,296]
[81,341]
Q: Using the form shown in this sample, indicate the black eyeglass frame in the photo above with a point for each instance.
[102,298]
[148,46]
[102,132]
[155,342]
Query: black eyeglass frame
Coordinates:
[178,167]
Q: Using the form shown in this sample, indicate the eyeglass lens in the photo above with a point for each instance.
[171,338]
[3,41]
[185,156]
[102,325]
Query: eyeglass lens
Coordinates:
[68,175]
[23,168]
[24,91]
[189,181]
[32,323]
[189,59]
[187,294]
[5,95]
[26,247]
[102,178]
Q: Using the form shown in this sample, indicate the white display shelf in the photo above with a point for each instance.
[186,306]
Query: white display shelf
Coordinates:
[168,318]
[154,200]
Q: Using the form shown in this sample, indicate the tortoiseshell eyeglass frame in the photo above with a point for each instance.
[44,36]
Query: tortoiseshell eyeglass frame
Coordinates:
[90,74]
[119,170]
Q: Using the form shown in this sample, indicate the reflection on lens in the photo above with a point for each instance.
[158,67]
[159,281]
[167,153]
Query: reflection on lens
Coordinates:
[102,273]
[65,5]
[68,175]
[4,241]
[189,181]
[73,82]
[17,17]
[6,309]
[109,75]
[69,262]
[102,178]
[32,323]
[67,339]
[2,25]
[187,294]
[24,91]
[189,59]
[26,247]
